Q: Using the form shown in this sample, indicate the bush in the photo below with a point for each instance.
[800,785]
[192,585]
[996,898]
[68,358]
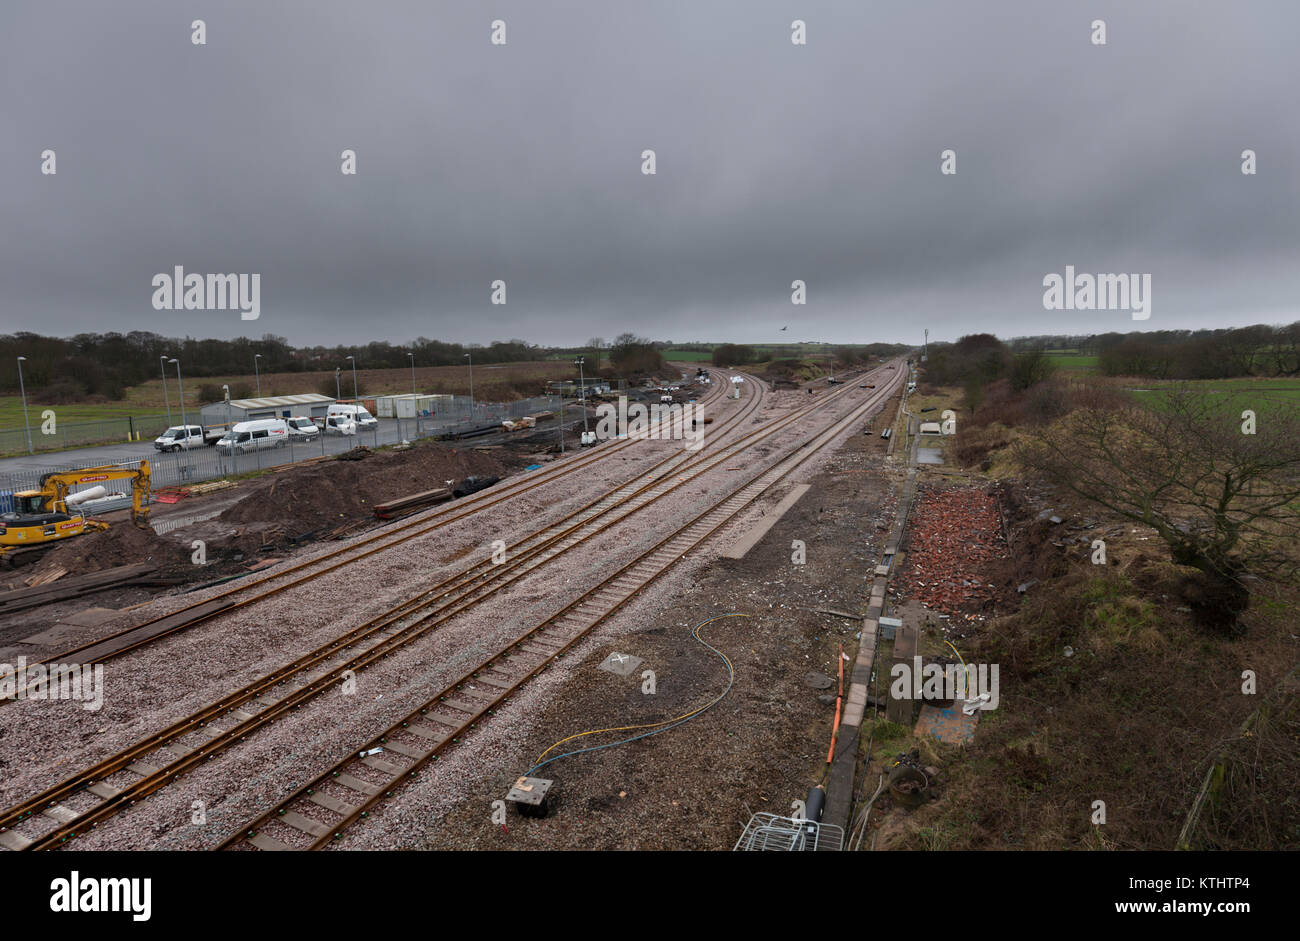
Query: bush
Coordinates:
[732,354]
[1046,402]
[634,356]
[1030,368]
[60,392]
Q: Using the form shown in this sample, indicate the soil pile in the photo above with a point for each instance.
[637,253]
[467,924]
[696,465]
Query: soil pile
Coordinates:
[319,497]
[123,544]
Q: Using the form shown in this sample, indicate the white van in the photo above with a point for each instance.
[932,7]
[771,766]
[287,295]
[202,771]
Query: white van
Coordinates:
[254,435]
[365,421]
[302,429]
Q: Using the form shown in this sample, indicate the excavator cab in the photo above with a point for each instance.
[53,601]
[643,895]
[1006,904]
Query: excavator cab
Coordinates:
[28,503]
[30,509]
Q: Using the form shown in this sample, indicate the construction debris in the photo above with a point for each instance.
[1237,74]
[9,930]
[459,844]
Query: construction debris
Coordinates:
[51,592]
[953,532]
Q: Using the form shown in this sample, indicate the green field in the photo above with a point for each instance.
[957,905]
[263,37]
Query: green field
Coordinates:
[1236,395]
[11,412]
[1073,361]
[687,356]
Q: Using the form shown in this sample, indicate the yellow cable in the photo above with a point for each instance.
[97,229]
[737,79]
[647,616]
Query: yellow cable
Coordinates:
[651,725]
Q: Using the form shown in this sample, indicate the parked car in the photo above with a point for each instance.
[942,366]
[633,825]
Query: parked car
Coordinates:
[254,436]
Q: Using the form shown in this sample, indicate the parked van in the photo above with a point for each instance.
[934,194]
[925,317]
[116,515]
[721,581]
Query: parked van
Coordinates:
[254,436]
[176,437]
[302,429]
[365,421]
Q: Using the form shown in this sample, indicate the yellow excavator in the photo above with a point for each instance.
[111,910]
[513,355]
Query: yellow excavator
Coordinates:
[46,516]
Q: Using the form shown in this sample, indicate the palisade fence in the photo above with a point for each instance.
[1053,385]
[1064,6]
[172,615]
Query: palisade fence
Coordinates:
[207,463]
[84,433]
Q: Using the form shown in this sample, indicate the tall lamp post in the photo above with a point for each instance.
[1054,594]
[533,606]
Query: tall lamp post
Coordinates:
[356,418]
[185,422]
[583,396]
[230,427]
[258,373]
[471,385]
[162,367]
[26,420]
[338,393]
[411,357]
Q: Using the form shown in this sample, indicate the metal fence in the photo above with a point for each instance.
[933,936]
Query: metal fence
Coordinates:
[207,463]
[81,434]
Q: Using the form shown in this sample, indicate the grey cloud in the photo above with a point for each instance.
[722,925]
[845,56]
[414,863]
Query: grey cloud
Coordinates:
[522,162]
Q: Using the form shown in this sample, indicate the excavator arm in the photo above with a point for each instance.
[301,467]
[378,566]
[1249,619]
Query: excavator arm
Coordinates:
[56,485]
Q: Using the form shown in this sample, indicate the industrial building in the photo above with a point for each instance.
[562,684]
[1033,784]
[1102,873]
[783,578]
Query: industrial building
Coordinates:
[411,405]
[309,405]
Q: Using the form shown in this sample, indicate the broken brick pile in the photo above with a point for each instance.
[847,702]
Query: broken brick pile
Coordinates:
[952,533]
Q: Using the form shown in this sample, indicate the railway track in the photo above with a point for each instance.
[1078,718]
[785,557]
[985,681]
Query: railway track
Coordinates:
[386,634]
[251,592]
[343,794]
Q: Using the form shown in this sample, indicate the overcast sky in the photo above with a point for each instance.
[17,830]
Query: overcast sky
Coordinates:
[523,162]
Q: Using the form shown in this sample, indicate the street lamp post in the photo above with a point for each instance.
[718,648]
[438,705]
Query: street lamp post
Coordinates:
[583,396]
[230,428]
[26,420]
[471,385]
[162,367]
[258,373]
[356,417]
[415,403]
[185,422]
[338,393]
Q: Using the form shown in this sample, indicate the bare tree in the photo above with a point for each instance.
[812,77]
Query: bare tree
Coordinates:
[1224,501]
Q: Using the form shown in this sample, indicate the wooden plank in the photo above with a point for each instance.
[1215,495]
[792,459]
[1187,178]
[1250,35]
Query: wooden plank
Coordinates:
[264,842]
[89,579]
[14,841]
[356,784]
[331,803]
[401,749]
[425,732]
[106,648]
[380,765]
[305,824]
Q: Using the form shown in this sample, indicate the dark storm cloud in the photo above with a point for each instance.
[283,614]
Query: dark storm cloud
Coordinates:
[522,162]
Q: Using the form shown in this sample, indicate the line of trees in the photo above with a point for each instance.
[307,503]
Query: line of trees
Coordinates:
[1258,350]
[101,366]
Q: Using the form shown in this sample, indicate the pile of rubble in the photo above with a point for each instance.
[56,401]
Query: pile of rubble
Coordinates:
[953,534]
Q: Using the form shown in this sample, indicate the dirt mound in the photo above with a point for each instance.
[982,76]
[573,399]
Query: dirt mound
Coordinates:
[123,544]
[324,495]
